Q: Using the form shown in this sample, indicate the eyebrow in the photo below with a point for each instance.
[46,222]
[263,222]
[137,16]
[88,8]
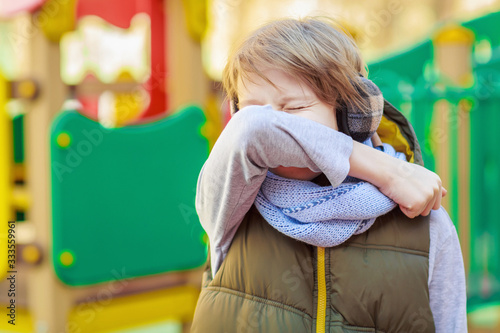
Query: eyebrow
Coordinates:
[288,99]
[248,102]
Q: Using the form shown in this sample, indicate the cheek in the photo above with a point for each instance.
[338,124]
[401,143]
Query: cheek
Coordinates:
[294,173]
[324,117]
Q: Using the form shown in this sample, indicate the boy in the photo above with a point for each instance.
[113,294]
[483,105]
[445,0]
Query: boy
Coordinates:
[309,69]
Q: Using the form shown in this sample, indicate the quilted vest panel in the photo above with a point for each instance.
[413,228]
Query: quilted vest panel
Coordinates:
[376,281]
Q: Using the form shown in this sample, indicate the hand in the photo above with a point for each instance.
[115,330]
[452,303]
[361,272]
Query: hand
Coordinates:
[414,188]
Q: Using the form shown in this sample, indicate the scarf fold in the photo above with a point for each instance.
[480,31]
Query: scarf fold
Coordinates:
[323,216]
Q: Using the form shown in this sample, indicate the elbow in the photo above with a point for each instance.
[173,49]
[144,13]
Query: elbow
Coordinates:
[251,123]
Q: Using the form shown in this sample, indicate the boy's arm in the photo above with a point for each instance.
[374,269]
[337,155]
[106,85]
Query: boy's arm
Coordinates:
[447,288]
[258,138]
[414,188]
[255,139]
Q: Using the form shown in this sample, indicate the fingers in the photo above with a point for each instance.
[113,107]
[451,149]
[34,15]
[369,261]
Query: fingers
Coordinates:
[437,201]
[435,197]
[428,208]
[422,191]
[433,203]
[408,212]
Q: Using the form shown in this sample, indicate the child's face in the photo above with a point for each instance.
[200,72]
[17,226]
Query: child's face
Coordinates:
[290,95]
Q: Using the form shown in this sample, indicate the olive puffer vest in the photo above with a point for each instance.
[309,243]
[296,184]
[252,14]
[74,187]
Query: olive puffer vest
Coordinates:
[374,282]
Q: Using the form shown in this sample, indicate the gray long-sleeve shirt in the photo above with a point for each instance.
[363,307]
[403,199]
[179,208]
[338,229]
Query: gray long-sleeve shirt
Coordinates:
[257,138]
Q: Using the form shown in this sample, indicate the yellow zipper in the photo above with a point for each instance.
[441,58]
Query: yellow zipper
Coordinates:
[321,312]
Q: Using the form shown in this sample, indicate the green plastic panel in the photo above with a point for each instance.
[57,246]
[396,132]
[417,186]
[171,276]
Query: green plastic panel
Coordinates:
[123,199]
[401,79]
[408,64]
[486,26]
[484,275]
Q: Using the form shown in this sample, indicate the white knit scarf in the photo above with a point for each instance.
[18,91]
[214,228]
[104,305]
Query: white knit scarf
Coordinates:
[322,215]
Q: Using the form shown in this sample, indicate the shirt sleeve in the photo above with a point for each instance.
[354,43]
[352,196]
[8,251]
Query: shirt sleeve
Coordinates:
[447,288]
[255,139]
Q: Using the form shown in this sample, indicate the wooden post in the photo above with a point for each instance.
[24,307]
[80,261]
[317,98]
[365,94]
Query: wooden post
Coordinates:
[186,79]
[48,299]
[453,52]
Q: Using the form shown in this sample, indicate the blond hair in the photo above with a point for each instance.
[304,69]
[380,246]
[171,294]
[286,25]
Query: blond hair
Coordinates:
[316,50]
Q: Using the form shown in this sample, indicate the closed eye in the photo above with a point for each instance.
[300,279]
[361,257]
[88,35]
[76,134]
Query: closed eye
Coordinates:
[298,108]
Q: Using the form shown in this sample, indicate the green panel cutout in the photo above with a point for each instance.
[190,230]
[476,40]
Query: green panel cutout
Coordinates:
[123,199]
[18,138]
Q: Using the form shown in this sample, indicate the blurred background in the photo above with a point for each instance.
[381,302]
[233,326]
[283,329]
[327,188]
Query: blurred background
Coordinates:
[108,110]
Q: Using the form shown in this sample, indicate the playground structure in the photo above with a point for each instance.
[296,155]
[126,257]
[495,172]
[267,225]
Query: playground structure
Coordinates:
[135,198]
[100,173]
